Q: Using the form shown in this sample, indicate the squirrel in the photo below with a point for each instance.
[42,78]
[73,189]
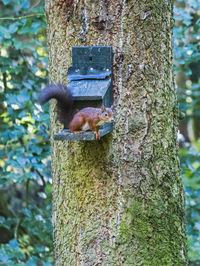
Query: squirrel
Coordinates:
[88,118]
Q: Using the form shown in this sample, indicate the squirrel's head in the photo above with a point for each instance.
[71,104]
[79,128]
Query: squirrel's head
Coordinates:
[107,114]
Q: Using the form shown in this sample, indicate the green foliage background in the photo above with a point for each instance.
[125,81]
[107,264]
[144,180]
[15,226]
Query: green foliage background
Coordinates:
[25,198]
[25,171]
[187,68]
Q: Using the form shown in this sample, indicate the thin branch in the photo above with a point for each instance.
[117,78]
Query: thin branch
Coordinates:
[16,230]
[24,58]
[27,16]
[27,192]
[5,82]
[42,177]
[34,5]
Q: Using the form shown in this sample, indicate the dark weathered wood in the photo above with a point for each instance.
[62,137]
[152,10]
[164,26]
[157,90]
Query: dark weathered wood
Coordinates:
[88,135]
[89,89]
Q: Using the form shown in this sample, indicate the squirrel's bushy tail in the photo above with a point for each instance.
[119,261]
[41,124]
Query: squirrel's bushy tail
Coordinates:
[63,96]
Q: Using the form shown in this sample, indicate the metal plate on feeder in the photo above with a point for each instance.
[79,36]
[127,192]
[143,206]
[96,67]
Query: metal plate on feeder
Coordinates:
[83,73]
[97,57]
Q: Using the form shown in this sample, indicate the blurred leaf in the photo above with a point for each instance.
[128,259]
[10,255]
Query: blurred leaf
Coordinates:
[4,32]
[24,3]
[13,27]
[13,244]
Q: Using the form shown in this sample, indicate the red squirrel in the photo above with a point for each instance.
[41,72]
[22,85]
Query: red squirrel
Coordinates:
[86,119]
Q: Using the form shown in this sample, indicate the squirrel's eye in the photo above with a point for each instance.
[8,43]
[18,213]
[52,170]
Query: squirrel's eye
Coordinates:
[105,114]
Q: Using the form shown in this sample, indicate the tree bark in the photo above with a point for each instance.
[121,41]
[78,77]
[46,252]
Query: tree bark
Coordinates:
[119,201]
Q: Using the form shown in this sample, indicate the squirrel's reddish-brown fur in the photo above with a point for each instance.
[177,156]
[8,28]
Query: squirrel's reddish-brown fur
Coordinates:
[86,119]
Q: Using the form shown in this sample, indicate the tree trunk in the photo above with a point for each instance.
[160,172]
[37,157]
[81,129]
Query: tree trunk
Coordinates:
[119,201]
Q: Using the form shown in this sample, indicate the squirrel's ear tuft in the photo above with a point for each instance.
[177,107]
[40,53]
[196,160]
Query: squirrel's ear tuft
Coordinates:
[103,109]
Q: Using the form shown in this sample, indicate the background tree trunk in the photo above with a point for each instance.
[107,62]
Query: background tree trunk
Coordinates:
[119,201]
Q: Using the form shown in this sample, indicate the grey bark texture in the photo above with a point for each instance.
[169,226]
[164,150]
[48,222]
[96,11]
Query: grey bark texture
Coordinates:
[119,201]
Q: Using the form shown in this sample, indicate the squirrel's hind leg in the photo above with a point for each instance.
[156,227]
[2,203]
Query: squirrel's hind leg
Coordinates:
[75,125]
[78,124]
